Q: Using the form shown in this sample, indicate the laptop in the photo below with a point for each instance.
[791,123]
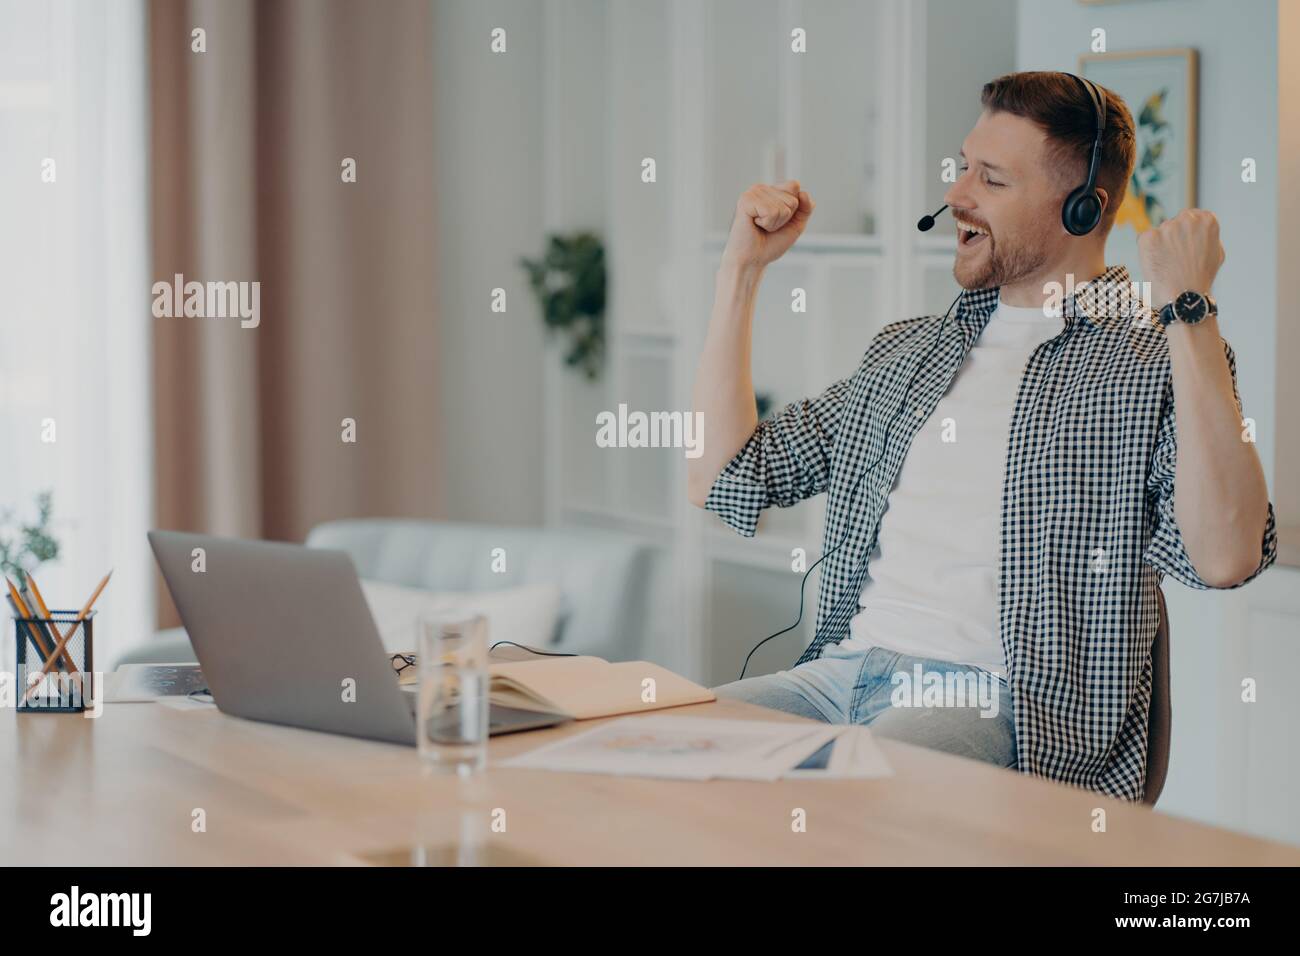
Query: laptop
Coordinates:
[277,628]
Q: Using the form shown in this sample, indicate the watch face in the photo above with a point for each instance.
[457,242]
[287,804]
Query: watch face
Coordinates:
[1190,307]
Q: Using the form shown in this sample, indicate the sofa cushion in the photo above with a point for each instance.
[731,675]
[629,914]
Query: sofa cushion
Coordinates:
[602,575]
[526,615]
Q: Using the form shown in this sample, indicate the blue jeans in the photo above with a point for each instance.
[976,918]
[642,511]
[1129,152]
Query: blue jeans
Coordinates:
[939,705]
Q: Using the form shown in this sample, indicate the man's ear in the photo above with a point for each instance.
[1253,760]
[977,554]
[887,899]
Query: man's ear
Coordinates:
[1105,200]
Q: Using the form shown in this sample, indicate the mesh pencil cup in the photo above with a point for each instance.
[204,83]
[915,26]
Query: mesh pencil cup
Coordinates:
[67,685]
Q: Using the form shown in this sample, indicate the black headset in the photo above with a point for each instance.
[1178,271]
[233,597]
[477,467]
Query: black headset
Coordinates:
[1082,209]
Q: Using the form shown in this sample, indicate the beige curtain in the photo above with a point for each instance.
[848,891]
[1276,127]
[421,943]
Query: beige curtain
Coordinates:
[248,141]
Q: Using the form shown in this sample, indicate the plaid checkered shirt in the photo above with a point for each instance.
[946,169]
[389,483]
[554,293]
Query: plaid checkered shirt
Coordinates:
[1087,511]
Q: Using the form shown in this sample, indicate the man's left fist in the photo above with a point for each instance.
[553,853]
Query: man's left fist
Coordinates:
[1180,254]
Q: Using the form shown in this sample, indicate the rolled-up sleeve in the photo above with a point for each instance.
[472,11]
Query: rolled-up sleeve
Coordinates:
[1166,551]
[787,459]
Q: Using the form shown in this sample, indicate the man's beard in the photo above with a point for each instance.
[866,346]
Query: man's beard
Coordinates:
[1000,267]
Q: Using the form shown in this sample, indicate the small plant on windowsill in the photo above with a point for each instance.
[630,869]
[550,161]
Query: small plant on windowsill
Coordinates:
[569,283]
[25,547]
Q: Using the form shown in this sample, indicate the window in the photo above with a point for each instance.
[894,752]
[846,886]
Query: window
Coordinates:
[75,368]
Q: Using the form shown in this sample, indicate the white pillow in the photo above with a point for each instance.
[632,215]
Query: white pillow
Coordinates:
[525,615]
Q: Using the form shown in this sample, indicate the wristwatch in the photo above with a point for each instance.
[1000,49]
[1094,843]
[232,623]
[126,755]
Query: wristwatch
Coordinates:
[1189,307]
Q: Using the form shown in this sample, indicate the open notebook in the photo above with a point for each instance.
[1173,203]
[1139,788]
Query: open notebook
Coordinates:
[584,687]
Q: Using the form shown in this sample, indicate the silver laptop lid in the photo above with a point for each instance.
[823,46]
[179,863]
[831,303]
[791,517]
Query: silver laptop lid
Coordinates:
[283,634]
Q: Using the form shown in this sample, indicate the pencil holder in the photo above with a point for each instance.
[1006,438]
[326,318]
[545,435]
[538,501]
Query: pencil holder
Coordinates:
[65,686]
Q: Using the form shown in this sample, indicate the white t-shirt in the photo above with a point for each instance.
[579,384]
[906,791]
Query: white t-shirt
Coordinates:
[932,582]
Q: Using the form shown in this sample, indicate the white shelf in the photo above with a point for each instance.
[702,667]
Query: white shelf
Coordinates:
[659,531]
[937,244]
[811,243]
[646,338]
[770,552]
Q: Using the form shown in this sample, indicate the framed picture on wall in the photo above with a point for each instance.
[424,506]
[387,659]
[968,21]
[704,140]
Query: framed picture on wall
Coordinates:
[1160,88]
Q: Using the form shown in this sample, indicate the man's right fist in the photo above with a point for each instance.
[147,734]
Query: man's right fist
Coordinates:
[768,221]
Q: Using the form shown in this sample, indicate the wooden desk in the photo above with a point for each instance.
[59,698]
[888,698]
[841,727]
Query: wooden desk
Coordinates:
[122,789]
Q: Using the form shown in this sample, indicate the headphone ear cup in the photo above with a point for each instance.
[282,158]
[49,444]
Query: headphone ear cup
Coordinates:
[1081,212]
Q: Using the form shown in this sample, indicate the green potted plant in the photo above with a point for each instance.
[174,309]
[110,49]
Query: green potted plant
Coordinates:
[25,547]
[569,283]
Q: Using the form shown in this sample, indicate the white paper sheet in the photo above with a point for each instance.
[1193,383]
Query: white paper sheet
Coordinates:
[700,748]
[855,756]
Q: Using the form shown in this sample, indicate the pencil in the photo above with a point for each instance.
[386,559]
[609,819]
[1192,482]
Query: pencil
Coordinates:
[38,622]
[20,609]
[81,616]
[45,613]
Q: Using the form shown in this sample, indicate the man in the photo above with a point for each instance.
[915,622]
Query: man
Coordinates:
[1001,481]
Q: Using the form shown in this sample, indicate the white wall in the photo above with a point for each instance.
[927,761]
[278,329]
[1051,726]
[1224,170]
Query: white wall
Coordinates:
[1287,460]
[489,170]
[1238,117]
[1225,755]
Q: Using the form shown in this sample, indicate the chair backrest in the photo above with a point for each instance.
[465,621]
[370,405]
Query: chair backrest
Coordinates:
[602,575]
[1160,718]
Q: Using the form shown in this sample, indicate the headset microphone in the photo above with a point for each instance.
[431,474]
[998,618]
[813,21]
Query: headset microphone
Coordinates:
[926,223]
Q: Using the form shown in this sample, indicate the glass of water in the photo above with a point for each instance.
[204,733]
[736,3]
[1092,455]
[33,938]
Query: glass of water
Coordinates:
[452,697]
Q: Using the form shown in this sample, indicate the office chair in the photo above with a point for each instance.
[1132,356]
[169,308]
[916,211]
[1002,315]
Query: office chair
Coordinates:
[1160,717]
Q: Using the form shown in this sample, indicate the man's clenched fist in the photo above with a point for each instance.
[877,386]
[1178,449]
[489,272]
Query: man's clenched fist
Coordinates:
[1181,254]
[768,221]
